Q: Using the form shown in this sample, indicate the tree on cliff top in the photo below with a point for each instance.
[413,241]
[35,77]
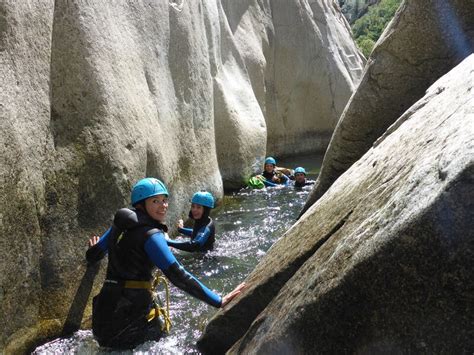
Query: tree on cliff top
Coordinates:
[369,27]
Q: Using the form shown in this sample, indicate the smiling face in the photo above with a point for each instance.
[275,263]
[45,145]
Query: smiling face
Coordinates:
[197,211]
[300,178]
[156,207]
[269,168]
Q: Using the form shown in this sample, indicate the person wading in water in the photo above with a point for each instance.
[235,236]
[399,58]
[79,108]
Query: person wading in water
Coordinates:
[124,313]
[203,232]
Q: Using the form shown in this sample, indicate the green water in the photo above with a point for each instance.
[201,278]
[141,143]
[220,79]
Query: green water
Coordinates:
[247,224]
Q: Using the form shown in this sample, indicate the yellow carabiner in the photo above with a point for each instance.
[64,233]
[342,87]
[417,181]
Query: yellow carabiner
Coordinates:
[160,311]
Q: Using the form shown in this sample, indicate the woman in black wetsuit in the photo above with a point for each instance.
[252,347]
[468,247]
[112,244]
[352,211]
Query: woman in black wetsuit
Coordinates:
[203,232]
[272,176]
[135,243]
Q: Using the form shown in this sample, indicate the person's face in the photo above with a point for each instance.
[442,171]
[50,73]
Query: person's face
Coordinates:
[156,207]
[300,178]
[269,168]
[197,211]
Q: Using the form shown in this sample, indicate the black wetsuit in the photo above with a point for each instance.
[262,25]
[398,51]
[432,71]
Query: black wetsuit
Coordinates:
[306,183]
[202,236]
[135,244]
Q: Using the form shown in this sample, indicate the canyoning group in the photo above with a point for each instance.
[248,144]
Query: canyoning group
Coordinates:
[274,175]
[126,312]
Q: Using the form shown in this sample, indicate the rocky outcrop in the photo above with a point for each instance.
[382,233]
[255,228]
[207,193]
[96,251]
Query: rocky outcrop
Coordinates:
[383,261]
[286,46]
[355,9]
[26,144]
[424,41]
[97,95]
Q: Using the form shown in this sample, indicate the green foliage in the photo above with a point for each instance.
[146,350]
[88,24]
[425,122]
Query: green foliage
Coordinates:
[366,45]
[369,27]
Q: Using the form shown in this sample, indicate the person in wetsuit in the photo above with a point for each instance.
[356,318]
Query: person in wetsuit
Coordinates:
[122,314]
[300,178]
[272,176]
[203,231]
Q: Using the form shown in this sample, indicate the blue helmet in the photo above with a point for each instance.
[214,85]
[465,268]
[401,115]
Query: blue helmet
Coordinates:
[300,170]
[203,198]
[270,160]
[147,187]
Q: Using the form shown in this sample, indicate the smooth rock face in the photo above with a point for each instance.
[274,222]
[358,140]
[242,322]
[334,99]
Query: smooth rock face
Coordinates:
[26,145]
[424,41]
[286,45]
[309,93]
[98,95]
[383,261]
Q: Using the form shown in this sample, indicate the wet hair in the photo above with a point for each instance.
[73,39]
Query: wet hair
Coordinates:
[140,205]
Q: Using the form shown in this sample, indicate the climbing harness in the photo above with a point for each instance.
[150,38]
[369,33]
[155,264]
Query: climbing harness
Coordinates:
[160,311]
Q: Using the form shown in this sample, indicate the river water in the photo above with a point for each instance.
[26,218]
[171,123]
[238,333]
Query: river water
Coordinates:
[247,223]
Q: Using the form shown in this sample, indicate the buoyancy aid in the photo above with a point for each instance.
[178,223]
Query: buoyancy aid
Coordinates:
[120,309]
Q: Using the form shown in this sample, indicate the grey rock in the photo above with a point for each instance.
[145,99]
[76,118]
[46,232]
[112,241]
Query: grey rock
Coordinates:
[424,41]
[98,95]
[383,261]
[286,46]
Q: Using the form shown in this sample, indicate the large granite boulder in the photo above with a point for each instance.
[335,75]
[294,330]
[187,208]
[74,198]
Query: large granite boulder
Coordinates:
[383,261]
[96,95]
[424,41]
[303,66]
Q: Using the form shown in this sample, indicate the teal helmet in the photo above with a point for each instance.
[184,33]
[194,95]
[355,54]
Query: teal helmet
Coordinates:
[300,170]
[270,160]
[147,187]
[203,198]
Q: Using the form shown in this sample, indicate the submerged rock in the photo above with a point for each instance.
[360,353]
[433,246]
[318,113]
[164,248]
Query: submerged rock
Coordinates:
[424,41]
[383,261]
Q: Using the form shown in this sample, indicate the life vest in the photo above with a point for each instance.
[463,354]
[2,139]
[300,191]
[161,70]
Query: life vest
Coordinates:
[121,309]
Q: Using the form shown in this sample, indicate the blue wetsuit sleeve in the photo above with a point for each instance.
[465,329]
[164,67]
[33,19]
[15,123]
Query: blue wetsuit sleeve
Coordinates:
[158,251]
[99,250]
[194,245]
[104,239]
[188,232]
[269,183]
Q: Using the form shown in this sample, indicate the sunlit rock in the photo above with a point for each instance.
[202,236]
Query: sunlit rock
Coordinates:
[424,41]
[383,261]
[303,66]
[96,95]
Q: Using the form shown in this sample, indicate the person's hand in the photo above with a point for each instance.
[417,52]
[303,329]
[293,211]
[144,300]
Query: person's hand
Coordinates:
[230,296]
[93,241]
[180,223]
